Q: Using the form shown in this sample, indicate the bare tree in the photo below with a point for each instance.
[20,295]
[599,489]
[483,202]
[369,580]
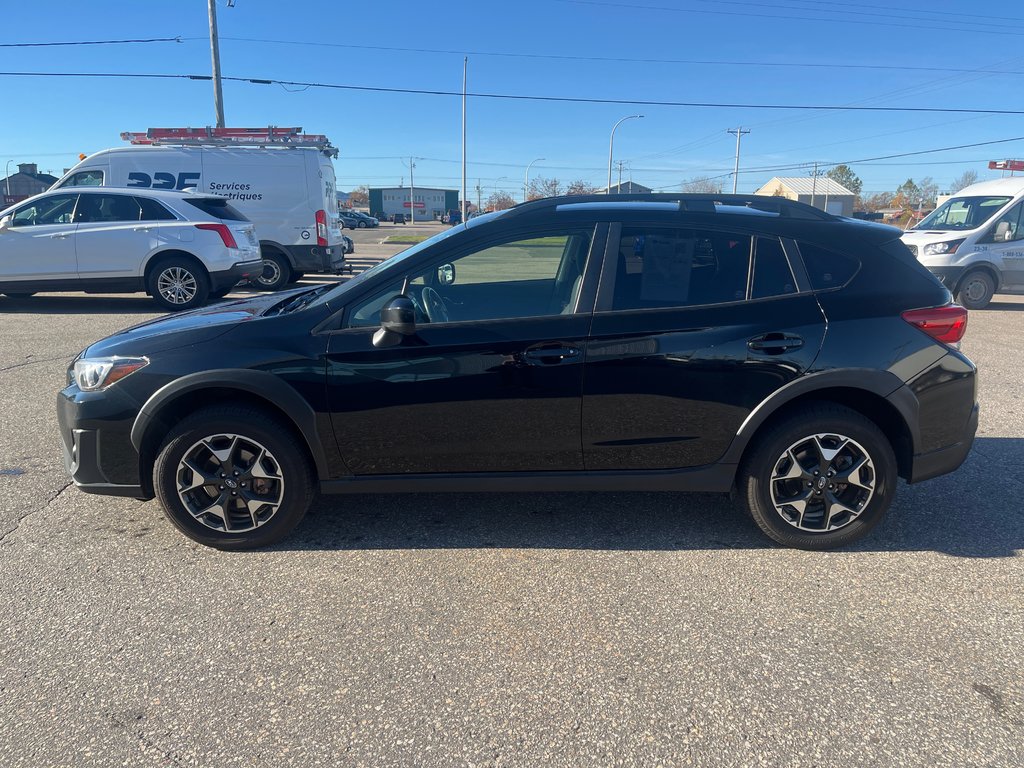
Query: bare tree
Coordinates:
[965,179]
[581,187]
[359,197]
[701,185]
[541,187]
[499,201]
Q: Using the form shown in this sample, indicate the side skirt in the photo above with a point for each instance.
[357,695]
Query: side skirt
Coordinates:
[713,478]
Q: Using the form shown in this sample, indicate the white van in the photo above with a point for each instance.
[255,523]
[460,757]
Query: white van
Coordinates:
[974,242]
[288,193]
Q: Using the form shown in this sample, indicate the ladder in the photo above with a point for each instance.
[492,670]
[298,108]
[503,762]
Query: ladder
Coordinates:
[271,136]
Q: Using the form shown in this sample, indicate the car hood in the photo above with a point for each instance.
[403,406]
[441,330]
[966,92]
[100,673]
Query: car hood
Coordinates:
[186,328]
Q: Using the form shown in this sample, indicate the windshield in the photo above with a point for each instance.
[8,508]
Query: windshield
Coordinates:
[404,256]
[961,213]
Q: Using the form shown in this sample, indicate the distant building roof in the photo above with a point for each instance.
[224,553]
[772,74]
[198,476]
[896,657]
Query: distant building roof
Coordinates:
[808,185]
[627,188]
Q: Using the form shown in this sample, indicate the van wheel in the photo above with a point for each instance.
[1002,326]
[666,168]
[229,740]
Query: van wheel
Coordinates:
[233,477]
[976,290]
[821,478]
[178,284]
[276,273]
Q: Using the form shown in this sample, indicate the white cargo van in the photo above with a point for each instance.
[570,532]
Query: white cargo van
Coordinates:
[287,191]
[974,242]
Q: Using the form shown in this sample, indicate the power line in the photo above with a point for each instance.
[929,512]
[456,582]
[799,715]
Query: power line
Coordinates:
[97,42]
[615,59]
[525,97]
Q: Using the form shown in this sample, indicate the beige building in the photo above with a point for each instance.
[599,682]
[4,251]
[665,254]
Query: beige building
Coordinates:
[821,192]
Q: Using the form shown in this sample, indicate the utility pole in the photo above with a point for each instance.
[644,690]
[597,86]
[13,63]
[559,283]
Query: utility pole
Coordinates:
[618,188]
[218,91]
[412,197]
[814,184]
[465,70]
[479,201]
[739,132]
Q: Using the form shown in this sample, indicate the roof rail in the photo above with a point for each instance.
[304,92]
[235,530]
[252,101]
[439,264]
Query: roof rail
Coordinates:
[693,203]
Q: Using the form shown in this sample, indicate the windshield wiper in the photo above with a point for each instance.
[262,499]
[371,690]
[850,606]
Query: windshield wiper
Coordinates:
[300,301]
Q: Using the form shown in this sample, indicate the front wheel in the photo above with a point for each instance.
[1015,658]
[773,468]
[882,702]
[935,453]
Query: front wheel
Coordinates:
[820,478]
[233,478]
[362,225]
[976,290]
[178,284]
[276,273]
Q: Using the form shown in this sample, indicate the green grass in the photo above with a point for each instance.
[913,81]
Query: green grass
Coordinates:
[406,239]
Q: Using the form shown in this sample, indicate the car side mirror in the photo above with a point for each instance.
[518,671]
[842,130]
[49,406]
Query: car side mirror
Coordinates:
[5,224]
[446,274]
[397,320]
[1002,232]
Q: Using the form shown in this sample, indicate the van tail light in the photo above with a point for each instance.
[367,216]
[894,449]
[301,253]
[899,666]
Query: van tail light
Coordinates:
[223,231]
[946,324]
[321,228]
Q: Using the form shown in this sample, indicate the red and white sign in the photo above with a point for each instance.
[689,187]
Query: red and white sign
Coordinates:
[1006,165]
[418,205]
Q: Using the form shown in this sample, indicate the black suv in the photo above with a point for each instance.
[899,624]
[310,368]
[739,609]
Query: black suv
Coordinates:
[629,343]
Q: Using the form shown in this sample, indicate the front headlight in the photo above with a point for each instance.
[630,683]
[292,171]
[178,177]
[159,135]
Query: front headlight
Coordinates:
[949,246]
[100,372]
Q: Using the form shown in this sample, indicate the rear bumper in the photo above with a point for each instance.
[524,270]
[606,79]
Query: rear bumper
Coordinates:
[945,460]
[242,270]
[317,258]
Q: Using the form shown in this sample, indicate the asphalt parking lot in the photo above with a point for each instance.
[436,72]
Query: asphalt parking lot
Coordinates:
[559,629]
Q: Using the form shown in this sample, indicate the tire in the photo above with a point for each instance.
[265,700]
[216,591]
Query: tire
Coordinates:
[19,295]
[277,273]
[228,438]
[362,225]
[976,289]
[220,293]
[296,276]
[810,436]
[177,283]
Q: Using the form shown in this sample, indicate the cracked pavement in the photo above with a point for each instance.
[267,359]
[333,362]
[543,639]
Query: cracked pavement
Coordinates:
[559,629]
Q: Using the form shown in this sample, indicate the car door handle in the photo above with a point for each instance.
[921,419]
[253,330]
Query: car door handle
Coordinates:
[774,343]
[142,229]
[551,355]
[60,235]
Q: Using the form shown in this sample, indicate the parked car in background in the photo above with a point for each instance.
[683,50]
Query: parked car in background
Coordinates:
[723,343]
[287,192]
[348,220]
[398,218]
[362,219]
[180,248]
[974,242]
[453,217]
[349,246]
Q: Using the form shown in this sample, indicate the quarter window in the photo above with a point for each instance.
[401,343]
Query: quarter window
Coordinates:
[772,275]
[153,211]
[827,269]
[669,267]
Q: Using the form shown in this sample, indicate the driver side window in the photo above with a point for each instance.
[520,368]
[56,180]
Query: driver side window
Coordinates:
[55,209]
[1009,227]
[527,277]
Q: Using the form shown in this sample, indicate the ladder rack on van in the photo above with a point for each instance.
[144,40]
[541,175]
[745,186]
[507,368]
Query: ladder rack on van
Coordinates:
[270,136]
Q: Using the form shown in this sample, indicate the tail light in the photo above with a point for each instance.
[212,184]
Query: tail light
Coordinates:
[223,231]
[321,228]
[946,324]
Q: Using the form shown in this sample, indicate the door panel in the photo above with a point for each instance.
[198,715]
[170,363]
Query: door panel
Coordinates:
[464,397]
[38,253]
[111,240]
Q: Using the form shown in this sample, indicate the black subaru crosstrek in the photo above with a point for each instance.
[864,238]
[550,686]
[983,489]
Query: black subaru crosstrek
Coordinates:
[627,343]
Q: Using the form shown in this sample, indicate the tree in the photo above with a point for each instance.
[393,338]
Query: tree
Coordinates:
[541,187]
[843,174]
[878,201]
[499,201]
[359,197]
[929,191]
[907,195]
[701,185]
[581,187]
[965,179]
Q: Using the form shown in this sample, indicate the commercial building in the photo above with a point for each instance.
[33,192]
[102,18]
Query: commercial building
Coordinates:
[626,188]
[430,204]
[821,192]
[26,182]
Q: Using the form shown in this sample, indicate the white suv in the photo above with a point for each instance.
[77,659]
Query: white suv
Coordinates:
[180,248]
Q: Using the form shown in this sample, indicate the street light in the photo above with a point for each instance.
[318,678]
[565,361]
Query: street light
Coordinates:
[526,182]
[502,178]
[611,144]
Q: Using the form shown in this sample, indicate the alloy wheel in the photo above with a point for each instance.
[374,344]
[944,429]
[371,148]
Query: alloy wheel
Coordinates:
[230,483]
[177,285]
[822,482]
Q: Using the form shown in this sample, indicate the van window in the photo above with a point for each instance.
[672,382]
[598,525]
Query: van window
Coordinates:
[216,207]
[1009,227]
[93,178]
[961,213]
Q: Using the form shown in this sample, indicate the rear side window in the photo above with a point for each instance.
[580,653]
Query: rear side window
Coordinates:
[667,267]
[106,208]
[153,211]
[772,275]
[219,209]
[827,269]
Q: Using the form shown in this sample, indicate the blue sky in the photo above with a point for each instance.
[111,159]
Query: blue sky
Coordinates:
[51,120]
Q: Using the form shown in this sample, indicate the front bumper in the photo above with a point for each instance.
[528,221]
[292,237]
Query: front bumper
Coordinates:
[317,258]
[95,429]
[948,276]
[242,270]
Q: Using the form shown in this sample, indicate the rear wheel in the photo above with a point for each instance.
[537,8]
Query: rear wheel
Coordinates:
[178,283]
[820,478]
[276,272]
[976,289]
[233,478]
